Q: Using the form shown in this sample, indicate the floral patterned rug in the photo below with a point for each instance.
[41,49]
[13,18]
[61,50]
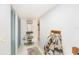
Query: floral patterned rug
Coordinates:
[34,51]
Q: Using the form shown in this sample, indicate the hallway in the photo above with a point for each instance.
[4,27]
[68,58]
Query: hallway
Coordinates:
[29,42]
[46,19]
[39,29]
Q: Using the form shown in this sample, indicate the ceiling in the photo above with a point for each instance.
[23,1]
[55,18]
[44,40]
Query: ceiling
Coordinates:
[32,10]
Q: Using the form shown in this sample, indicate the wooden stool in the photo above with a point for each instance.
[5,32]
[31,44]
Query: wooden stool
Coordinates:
[75,50]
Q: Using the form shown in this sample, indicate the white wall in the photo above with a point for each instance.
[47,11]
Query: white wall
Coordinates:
[23,29]
[66,18]
[35,30]
[5,26]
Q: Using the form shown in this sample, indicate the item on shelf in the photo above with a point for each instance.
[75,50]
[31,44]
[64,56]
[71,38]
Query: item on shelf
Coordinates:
[54,45]
[29,37]
[29,33]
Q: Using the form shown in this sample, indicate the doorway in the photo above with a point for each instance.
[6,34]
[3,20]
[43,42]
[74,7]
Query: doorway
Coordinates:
[19,32]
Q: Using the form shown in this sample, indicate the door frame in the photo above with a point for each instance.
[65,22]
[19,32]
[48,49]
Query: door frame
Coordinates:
[13,51]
